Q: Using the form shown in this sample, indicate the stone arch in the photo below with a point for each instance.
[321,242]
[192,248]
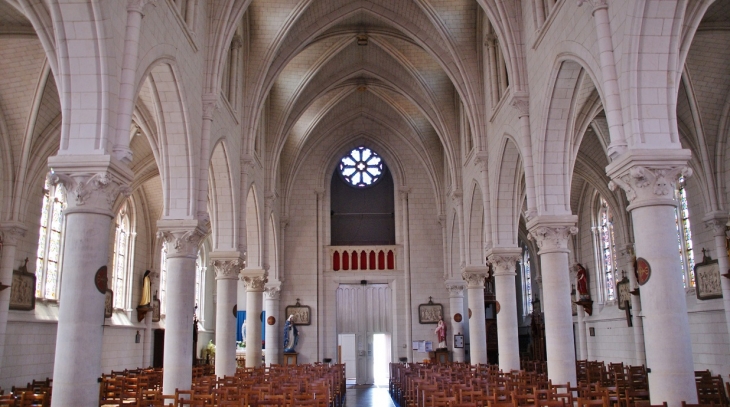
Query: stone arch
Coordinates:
[222,201]
[475,224]
[178,160]
[454,258]
[506,206]
[273,252]
[253,230]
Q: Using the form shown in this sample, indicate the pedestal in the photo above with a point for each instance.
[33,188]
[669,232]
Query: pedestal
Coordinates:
[440,356]
[290,359]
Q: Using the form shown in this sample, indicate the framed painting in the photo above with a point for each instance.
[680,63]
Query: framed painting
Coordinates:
[623,294]
[22,290]
[707,279]
[155,310]
[108,303]
[430,313]
[458,341]
[301,314]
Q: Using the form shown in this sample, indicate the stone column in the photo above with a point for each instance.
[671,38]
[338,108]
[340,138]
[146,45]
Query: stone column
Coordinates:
[272,293]
[717,222]
[227,267]
[182,238]
[474,277]
[456,305]
[504,260]
[92,184]
[649,179]
[582,338]
[11,233]
[551,234]
[255,280]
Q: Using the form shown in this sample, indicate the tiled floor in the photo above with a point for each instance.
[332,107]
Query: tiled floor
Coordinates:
[368,396]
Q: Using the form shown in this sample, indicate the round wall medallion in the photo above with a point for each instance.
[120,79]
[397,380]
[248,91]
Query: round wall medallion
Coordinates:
[643,271]
[100,279]
[235,311]
[469,313]
[271,320]
[457,317]
[497,307]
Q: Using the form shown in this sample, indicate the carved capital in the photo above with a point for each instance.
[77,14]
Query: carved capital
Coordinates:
[552,238]
[272,292]
[475,278]
[504,264]
[138,5]
[521,102]
[11,233]
[182,239]
[717,222]
[236,42]
[93,192]
[650,184]
[456,288]
[228,269]
[254,280]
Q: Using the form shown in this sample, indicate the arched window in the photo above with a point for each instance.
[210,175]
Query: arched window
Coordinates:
[526,281]
[200,269]
[684,236]
[607,247]
[49,242]
[123,250]
[163,277]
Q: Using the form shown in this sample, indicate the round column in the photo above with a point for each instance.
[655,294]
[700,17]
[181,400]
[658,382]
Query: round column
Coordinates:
[226,275]
[456,305]
[255,281]
[11,233]
[551,234]
[504,262]
[182,238]
[272,293]
[649,180]
[77,363]
[717,222]
[474,277]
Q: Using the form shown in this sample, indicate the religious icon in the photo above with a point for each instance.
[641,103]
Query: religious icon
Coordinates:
[643,270]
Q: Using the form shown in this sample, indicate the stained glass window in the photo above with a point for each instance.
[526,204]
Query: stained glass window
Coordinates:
[684,236]
[526,281]
[607,248]
[163,277]
[122,256]
[199,283]
[361,167]
[49,242]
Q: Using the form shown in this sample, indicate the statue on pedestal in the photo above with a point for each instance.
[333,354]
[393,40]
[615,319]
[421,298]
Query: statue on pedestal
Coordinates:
[441,334]
[291,335]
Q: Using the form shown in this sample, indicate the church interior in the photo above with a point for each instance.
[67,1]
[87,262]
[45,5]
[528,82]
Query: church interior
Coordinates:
[364,187]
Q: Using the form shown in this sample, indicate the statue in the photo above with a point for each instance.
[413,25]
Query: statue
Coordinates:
[582,283]
[146,299]
[291,335]
[441,334]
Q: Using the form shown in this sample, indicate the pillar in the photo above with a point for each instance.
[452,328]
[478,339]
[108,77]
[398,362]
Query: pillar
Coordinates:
[227,265]
[551,234]
[255,280]
[456,305]
[649,179]
[272,293]
[582,338]
[92,183]
[182,238]
[627,258]
[717,221]
[11,232]
[474,277]
[504,261]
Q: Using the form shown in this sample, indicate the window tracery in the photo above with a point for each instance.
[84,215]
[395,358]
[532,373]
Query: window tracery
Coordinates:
[361,167]
[684,236]
[49,242]
[123,251]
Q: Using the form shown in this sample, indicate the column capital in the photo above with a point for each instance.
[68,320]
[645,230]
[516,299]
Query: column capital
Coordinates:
[272,290]
[455,287]
[92,182]
[138,5]
[504,259]
[521,102]
[551,232]
[649,177]
[228,269]
[717,221]
[12,232]
[475,276]
[181,235]
[254,279]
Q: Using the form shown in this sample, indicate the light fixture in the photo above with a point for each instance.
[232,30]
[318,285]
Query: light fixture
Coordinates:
[136,337]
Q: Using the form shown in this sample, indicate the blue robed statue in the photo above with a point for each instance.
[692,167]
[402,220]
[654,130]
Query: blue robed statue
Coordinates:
[291,335]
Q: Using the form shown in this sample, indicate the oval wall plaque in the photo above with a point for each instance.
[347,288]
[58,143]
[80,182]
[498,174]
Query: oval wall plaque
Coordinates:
[100,279]
[643,271]
[271,320]
[457,317]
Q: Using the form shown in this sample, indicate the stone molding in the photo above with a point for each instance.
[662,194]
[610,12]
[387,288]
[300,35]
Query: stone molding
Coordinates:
[521,102]
[12,232]
[475,276]
[551,233]
[228,269]
[649,178]
[254,280]
[181,236]
[272,291]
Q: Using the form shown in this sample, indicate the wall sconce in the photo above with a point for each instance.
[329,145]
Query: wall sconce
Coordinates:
[136,337]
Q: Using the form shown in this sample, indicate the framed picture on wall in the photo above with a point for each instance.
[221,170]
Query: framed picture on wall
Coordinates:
[22,289]
[458,341]
[623,293]
[707,279]
[156,310]
[430,313]
[301,314]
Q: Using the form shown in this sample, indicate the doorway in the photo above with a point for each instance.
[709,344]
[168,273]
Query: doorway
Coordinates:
[364,314]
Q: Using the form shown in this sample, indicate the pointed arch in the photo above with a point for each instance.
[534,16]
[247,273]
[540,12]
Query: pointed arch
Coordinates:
[475,223]
[221,201]
[507,206]
[273,260]
[253,230]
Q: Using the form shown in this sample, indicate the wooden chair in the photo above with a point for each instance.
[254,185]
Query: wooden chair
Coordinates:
[8,400]
[642,403]
[632,396]
[550,403]
[593,402]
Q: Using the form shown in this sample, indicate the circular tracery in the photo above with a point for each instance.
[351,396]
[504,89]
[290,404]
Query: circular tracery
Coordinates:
[361,167]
